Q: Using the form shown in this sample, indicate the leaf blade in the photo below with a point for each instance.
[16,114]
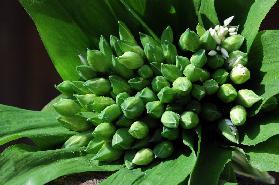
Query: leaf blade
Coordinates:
[21,164]
[41,127]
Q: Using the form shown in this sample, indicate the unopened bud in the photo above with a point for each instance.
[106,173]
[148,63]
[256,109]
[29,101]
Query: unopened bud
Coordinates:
[199,58]
[189,40]
[238,115]
[240,74]
[131,60]
[139,130]
[170,119]
[132,107]
[233,43]
[227,93]
[98,86]
[247,98]
[143,157]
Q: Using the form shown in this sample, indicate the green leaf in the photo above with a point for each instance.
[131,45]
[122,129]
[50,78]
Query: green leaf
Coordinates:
[179,169]
[207,14]
[248,14]
[264,65]
[210,163]
[41,127]
[67,28]
[261,128]
[21,164]
[256,15]
[265,156]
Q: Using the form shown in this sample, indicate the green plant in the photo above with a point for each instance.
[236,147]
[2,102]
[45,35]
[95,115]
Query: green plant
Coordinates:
[133,104]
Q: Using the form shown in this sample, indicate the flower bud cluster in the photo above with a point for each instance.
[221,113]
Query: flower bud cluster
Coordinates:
[137,100]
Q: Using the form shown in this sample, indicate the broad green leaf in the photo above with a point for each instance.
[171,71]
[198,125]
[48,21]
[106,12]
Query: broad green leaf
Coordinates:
[207,14]
[261,128]
[248,14]
[170,172]
[255,16]
[67,28]
[221,182]
[21,164]
[210,163]
[264,65]
[265,156]
[41,127]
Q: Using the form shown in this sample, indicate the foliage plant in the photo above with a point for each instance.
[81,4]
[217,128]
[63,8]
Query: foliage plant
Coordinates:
[153,92]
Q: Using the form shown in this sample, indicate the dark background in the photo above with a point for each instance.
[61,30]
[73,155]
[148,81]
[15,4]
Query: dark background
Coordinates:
[27,76]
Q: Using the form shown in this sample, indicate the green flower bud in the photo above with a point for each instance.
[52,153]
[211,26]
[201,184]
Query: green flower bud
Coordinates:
[237,57]
[167,35]
[270,104]
[115,45]
[210,86]
[131,60]
[85,100]
[86,72]
[77,141]
[163,150]
[166,95]
[107,153]
[121,97]
[128,158]
[189,120]
[170,133]
[95,145]
[98,86]
[122,139]
[210,112]
[189,40]
[104,130]
[199,58]
[170,72]
[128,46]
[170,119]
[121,69]
[153,53]
[200,29]
[228,130]
[182,62]
[143,157]
[145,71]
[75,123]
[138,83]
[156,68]
[194,73]
[183,85]
[155,109]
[66,87]
[124,122]
[132,107]
[198,92]
[66,107]
[98,61]
[233,43]
[247,98]
[119,85]
[238,115]
[110,113]
[221,76]
[100,103]
[146,40]
[194,106]
[227,93]
[169,51]
[139,130]
[208,41]
[125,33]
[147,95]
[105,47]
[92,117]
[80,88]
[215,61]
[158,83]
[240,74]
